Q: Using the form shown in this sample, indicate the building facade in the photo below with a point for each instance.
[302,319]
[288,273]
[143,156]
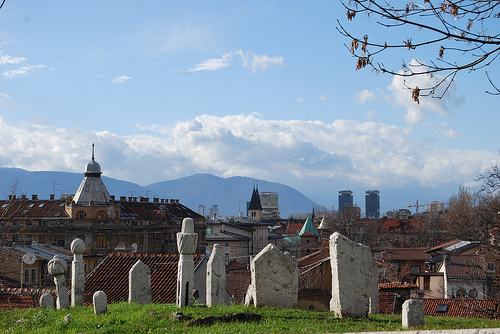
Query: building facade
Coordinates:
[372,204]
[269,202]
[345,200]
[106,224]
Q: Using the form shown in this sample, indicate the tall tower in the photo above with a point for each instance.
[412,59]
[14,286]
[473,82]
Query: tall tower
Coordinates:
[255,207]
[345,200]
[372,204]
[92,200]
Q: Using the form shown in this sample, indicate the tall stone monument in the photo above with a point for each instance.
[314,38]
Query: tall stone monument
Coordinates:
[352,282]
[412,314]
[187,241]
[77,272]
[139,283]
[57,267]
[216,277]
[274,279]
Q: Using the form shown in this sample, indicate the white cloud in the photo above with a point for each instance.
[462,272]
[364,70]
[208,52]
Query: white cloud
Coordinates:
[300,100]
[256,63]
[365,95]
[322,97]
[292,152]
[11,60]
[121,79]
[21,71]
[415,112]
[213,64]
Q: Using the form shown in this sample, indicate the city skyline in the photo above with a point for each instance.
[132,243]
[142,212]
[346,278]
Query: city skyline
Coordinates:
[266,90]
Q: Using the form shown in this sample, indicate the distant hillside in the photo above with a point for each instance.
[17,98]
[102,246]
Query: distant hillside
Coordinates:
[45,183]
[230,194]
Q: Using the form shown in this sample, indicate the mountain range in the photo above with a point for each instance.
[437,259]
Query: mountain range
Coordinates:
[229,194]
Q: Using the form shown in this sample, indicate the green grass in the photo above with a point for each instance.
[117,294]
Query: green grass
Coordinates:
[134,318]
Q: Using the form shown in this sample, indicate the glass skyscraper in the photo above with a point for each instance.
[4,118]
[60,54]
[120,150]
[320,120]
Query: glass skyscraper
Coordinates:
[345,200]
[372,204]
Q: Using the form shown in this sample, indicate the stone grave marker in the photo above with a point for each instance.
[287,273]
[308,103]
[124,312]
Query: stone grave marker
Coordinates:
[187,241]
[100,302]
[47,301]
[77,272]
[352,283]
[139,283]
[413,314]
[216,277]
[57,267]
[274,279]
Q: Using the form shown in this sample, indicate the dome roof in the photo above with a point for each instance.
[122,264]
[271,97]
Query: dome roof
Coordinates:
[93,167]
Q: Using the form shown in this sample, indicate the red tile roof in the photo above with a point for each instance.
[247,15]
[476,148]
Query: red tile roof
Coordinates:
[387,302]
[237,282]
[464,266]
[465,308]
[406,254]
[111,276]
[397,285]
[15,298]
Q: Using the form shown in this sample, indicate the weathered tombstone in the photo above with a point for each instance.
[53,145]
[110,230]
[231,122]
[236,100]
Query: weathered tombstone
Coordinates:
[216,277]
[186,245]
[47,301]
[57,267]
[274,279]
[351,275]
[139,283]
[100,302]
[77,272]
[413,313]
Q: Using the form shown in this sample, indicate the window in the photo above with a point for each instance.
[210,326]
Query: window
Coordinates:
[31,205]
[33,276]
[490,267]
[473,294]
[4,205]
[59,240]
[101,215]
[81,215]
[101,241]
[41,205]
[461,293]
[442,308]
[81,236]
[415,270]
[26,276]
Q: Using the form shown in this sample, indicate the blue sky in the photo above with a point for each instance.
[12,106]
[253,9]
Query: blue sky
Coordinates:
[262,89]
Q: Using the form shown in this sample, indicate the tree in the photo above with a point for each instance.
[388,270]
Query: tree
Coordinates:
[464,36]
[491,179]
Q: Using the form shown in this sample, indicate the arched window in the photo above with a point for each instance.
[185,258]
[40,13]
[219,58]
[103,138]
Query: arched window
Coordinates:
[81,215]
[461,293]
[473,293]
[101,215]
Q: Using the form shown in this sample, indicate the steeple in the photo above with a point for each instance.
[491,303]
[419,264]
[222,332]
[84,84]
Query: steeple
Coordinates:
[92,190]
[255,207]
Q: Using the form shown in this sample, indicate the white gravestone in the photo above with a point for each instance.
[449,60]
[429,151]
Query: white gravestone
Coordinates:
[57,267]
[352,285]
[216,277]
[413,313]
[77,272]
[187,241]
[47,301]
[139,283]
[274,279]
[100,302]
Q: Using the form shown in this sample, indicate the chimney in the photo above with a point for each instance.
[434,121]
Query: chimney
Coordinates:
[156,200]
[34,197]
[112,197]
[143,199]
[123,199]
[130,199]
[12,197]
[52,196]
